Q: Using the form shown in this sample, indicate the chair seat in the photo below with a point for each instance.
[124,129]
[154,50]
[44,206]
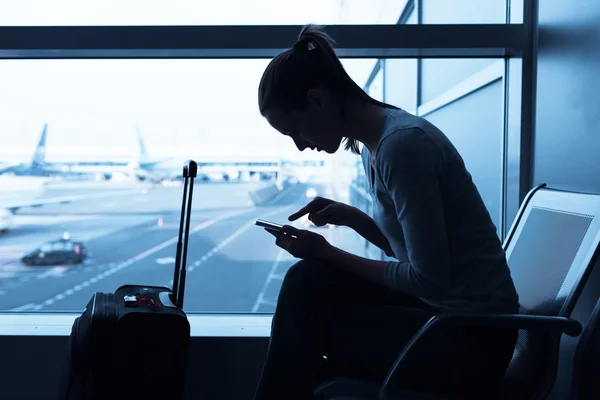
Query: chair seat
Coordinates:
[348,389]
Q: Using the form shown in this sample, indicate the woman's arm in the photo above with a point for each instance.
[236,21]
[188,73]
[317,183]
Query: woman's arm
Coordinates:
[366,227]
[371,270]
[411,169]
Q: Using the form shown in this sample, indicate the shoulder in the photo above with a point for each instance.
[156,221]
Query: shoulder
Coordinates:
[409,146]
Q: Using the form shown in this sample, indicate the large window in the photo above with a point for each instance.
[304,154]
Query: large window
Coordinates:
[91,150]
[111,137]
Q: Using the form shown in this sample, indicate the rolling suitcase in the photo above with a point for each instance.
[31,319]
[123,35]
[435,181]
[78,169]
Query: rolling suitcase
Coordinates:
[133,344]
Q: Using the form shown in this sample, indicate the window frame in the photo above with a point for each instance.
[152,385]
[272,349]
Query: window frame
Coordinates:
[260,41]
[501,41]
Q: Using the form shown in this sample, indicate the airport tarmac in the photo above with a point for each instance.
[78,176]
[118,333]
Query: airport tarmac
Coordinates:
[233,266]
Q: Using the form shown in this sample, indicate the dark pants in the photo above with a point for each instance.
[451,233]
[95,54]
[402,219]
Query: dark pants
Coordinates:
[361,328]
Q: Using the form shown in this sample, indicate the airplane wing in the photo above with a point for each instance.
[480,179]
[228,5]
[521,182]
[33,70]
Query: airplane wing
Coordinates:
[8,166]
[64,199]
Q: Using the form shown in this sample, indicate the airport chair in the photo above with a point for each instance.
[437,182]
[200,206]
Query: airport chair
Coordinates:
[551,248]
[586,383]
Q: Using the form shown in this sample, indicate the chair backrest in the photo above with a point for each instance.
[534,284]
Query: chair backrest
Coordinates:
[550,249]
[585,384]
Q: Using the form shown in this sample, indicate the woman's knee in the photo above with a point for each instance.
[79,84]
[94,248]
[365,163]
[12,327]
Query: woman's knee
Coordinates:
[305,275]
[302,269]
[298,274]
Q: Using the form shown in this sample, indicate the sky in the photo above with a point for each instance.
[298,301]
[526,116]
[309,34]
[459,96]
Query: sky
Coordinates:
[93,107]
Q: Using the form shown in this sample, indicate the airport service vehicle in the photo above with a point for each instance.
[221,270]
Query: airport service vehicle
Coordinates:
[57,252]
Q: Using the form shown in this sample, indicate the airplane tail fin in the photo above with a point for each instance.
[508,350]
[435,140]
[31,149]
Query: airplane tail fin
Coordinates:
[143,154]
[39,156]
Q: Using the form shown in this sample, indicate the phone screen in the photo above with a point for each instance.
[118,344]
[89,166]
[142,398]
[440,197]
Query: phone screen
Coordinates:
[270,225]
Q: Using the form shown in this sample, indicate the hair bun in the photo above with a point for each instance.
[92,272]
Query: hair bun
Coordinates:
[304,44]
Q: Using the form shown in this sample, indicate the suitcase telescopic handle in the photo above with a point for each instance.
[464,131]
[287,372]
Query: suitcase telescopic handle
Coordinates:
[190,171]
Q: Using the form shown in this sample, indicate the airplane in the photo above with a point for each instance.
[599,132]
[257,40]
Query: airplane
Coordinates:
[35,167]
[145,167]
[39,166]
[214,168]
[18,192]
[22,183]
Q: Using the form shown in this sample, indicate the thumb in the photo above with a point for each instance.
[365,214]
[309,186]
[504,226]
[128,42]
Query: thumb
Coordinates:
[273,232]
[290,230]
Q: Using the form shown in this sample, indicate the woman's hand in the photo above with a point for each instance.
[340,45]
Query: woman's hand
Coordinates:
[301,243]
[322,211]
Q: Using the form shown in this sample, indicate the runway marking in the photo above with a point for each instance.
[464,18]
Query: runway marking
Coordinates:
[114,267]
[279,277]
[165,260]
[130,261]
[272,275]
[24,308]
[228,240]
[54,271]
[261,296]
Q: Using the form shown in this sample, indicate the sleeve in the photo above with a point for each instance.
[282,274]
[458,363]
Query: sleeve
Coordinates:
[411,168]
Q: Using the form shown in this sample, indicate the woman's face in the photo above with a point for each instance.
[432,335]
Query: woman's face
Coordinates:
[318,127]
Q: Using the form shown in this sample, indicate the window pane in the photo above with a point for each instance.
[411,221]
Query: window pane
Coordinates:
[466,103]
[120,131]
[463,11]
[194,12]
[440,75]
[375,89]
[401,83]
[474,125]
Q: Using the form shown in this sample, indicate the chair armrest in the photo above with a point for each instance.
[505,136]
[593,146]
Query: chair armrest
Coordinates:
[348,389]
[568,326]
[532,323]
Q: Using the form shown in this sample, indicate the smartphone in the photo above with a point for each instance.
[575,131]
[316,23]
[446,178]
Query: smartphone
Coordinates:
[271,225]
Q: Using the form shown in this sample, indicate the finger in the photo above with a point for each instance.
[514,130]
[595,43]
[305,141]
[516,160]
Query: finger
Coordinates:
[333,215]
[282,242]
[273,232]
[292,249]
[326,211]
[291,231]
[313,205]
[303,211]
[285,244]
[317,219]
[326,214]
